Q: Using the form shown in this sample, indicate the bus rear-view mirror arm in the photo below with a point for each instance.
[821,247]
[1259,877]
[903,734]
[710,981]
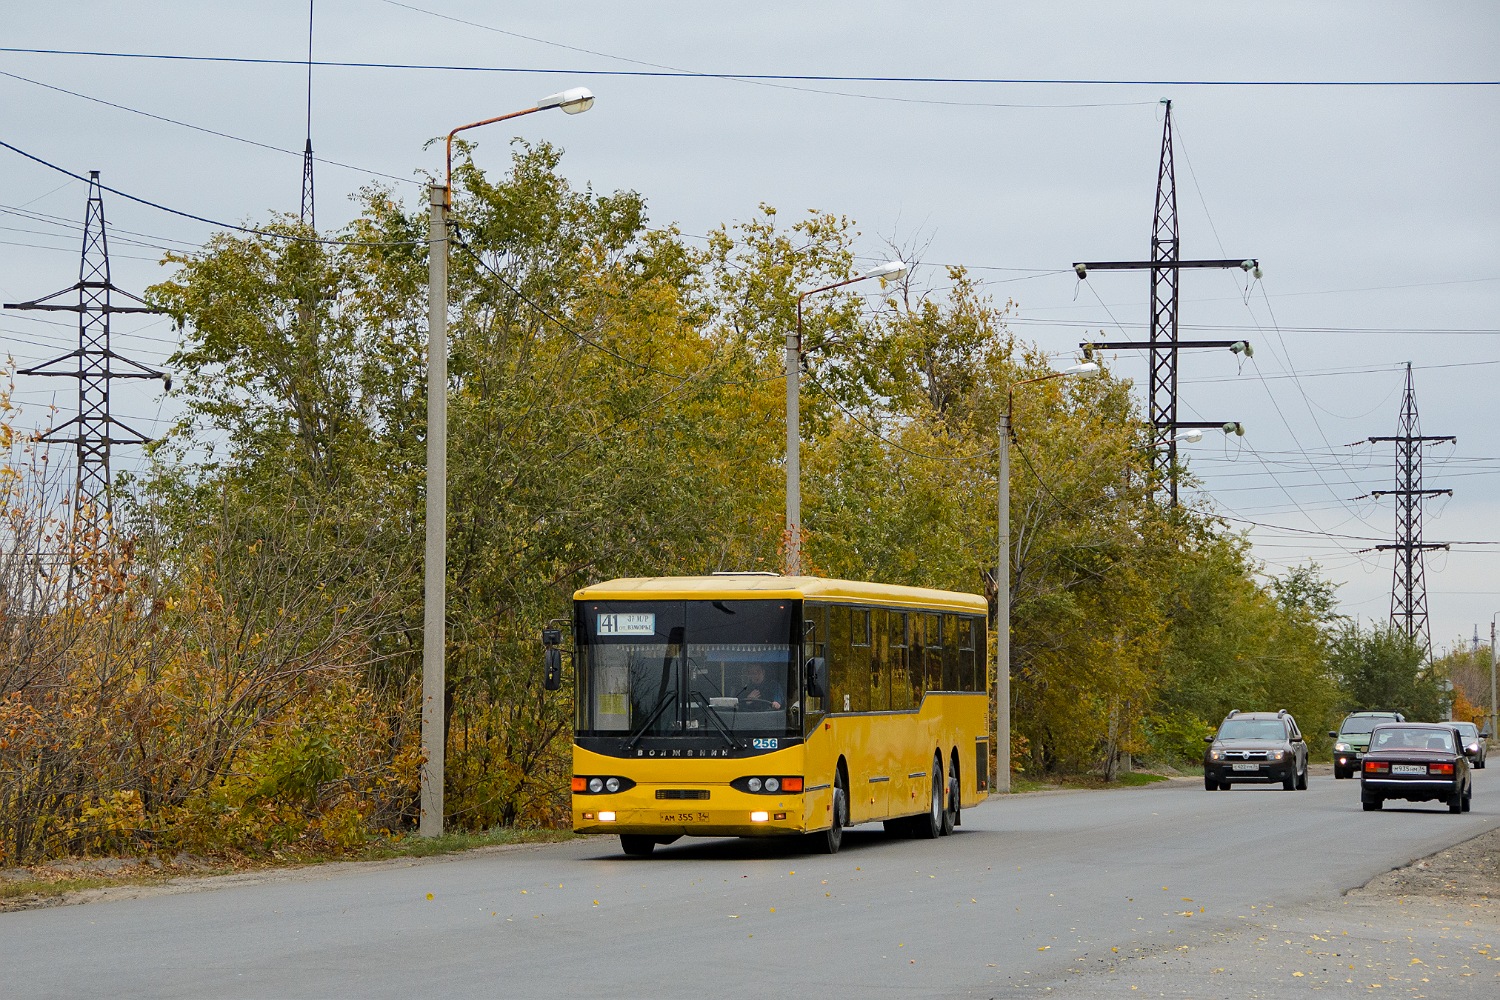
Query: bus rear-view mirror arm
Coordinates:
[817,677]
[552,661]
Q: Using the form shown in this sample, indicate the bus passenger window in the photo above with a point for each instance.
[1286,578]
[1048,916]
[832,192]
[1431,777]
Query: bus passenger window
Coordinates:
[932,652]
[967,665]
[880,662]
[953,679]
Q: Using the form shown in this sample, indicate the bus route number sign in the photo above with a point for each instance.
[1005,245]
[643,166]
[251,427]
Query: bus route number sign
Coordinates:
[632,623]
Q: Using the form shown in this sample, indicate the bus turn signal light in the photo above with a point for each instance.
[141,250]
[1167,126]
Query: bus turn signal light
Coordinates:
[791,784]
[579,784]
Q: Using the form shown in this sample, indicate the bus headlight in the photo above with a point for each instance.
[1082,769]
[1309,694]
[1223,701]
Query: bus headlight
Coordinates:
[612,784]
[759,817]
[754,784]
[772,784]
[596,785]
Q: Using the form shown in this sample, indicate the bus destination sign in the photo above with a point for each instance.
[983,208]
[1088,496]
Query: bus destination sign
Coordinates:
[636,623]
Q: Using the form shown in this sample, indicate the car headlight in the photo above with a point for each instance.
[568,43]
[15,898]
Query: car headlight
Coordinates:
[1280,755]
[1342,747]
[1213,755]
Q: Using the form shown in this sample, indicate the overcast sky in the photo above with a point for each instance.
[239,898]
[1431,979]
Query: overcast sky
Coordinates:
[1373,209]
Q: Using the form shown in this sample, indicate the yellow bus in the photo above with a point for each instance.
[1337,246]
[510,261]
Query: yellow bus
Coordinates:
[751,705]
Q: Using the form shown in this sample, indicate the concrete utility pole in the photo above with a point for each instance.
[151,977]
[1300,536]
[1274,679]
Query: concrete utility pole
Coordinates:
[435,577]
[1494,705]
[890,270]
[573,101]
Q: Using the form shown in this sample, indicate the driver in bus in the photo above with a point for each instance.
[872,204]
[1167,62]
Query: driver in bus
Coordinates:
[760,688]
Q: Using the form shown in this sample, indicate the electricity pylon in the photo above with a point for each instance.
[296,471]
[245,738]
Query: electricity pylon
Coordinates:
[95,365]
[1409,586]
[1165,265]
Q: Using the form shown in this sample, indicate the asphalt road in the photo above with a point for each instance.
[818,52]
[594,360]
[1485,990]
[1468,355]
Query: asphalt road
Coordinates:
[1033,892]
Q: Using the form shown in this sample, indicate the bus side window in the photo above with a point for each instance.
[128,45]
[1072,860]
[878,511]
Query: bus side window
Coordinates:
[953,677]
[814,645]
[880,662]
[840,659]
[932,652]
[901,686]
[910,669]
[859,660]
[967,665]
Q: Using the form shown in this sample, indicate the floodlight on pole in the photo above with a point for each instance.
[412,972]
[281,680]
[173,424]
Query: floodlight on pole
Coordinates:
[435,559]
[891,270]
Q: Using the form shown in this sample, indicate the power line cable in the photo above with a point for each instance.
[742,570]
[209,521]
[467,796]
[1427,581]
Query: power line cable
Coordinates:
[289,237]
[800,77]
[202,128]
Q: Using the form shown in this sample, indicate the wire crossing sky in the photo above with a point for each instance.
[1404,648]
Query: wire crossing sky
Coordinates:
[1349,149]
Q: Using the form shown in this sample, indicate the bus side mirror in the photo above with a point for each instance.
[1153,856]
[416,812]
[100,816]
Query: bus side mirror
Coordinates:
[552,659]
[817,677]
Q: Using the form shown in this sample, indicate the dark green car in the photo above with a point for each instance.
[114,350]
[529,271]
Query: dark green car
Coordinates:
[1353,738]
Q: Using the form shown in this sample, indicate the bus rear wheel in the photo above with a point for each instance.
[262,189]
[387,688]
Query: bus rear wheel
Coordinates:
[637,845]
[955,792]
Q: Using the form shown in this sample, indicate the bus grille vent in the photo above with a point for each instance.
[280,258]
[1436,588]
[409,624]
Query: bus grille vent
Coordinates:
[682,793]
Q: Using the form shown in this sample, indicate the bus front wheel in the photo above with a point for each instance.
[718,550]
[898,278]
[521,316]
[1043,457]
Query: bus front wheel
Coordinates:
[831,839]
[637,845]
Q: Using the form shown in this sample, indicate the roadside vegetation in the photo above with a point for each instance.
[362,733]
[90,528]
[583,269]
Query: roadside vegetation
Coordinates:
[234,670]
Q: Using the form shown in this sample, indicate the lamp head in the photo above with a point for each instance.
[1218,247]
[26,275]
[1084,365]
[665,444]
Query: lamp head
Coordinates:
[1242,347]
[891,269]
[1234,427]
[573,101]
[1087,369]
[1191,437]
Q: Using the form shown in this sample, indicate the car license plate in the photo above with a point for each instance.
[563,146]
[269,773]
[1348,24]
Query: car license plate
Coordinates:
[1408,768]
[1247,767]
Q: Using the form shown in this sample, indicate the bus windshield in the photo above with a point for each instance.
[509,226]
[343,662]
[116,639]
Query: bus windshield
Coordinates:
[704,669]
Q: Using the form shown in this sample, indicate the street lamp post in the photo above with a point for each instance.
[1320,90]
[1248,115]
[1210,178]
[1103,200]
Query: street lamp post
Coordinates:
[1000,780]
[890,269]
[435,564]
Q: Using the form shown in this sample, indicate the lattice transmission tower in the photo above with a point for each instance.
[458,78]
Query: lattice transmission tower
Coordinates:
[94,431]
[308,215]
[1165,265]
[1409,586]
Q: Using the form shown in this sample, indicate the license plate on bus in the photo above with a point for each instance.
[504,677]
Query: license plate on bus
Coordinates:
[1247,767]
[685,817]
[1408,768]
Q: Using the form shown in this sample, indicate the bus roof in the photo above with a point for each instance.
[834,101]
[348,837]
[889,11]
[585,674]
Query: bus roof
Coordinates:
[768,586]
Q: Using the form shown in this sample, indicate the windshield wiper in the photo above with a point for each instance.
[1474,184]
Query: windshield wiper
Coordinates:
[717,720]
[650,719]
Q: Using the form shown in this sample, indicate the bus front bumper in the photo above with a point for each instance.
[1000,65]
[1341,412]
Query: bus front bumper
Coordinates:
[726,813]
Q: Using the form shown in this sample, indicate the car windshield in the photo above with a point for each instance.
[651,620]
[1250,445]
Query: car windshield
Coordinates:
[1467,729]
[1252,729]
[703,669]
[1414,739]
[1360,725]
